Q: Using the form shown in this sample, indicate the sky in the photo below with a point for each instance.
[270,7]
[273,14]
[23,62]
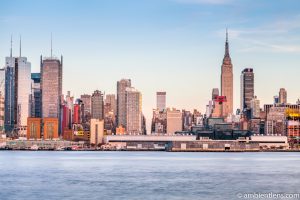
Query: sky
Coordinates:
[175,46]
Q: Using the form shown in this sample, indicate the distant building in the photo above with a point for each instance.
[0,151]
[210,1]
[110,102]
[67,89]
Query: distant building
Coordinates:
[187,120]
[255,108]
[209,108]
[10,111]
[282,96]
[276,121]
[23,78]
[159,121]
[247,88]
[96,131]
[97,105]
[133,111]
[174,120]
[110,100]
[17,94]
[51,86]
[78,112]
[87,101]
[161,100]
[276,99]
[121,101]
[215,93]
[36,98]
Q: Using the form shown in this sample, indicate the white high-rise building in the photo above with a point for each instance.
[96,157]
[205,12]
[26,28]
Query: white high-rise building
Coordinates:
[255,108]
[133,111]
[23,78]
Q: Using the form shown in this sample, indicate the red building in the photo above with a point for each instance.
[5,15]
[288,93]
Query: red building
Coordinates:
[65,118]
[76,114]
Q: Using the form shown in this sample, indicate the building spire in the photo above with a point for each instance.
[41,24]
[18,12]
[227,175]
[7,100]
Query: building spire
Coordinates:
[51,44]
[20,46]
[11,45]
[226,44]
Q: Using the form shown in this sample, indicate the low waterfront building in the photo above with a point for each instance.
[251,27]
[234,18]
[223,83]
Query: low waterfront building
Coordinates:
[271,141]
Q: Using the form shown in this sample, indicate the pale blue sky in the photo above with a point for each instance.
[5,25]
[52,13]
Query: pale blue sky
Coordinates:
[172,45]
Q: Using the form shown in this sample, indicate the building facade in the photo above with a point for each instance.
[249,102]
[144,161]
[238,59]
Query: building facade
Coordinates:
[255,107]
[121,101]
[51,87]
[161,100]
[87,101]
[33,128]
[174,120]
[133,111]
[247,88]
[282,96]
[10,108]
[97,105]
[36,99]
[50,128]
[96,132]
[23,78]
[214,93]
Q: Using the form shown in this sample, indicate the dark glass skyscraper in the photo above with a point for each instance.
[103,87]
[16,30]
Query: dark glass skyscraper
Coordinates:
[36,99]
[10,109]
[247,88]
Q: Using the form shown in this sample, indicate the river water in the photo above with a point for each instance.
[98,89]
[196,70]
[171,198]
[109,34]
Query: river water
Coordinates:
[27,175]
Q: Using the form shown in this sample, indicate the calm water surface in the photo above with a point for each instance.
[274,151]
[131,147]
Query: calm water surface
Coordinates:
[144,175]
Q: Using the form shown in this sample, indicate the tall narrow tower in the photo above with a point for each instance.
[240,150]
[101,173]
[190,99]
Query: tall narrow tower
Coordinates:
[227,81]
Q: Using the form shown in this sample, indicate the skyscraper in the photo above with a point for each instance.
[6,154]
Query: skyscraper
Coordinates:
[97,105]
[36,99]
[161,100]
[282,96]
[17,93]
[23,87]
[133,111]
[247,88]
[121,101]
[227,81]
[51,86]
[10,111]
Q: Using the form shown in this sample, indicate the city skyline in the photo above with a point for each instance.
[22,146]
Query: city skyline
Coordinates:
[144,63]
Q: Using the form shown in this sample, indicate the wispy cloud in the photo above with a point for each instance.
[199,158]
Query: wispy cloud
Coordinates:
[215,2]
[278,36]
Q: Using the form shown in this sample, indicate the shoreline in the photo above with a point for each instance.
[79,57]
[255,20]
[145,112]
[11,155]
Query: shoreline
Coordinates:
[134,150]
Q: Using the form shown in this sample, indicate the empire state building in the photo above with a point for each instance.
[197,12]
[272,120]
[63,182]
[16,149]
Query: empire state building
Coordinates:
[227,81]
